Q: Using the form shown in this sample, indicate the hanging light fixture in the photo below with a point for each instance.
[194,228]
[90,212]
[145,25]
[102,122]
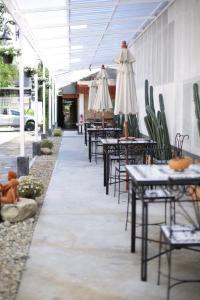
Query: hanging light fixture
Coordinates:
[6,36]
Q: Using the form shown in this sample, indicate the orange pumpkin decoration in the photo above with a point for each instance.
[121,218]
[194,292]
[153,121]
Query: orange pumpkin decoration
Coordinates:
[180,164]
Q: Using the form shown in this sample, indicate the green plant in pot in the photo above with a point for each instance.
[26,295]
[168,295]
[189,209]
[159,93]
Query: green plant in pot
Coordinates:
[30,187]
[8,53]
[57,132]
[30,71]
[46,146]
[41,80]
[179,162]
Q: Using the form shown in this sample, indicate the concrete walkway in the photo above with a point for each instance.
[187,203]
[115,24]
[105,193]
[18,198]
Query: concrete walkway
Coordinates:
[80,250]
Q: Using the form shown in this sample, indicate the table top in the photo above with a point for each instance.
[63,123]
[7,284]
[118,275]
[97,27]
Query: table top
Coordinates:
[140,141]
[103,129]
[162,174]
[95,122]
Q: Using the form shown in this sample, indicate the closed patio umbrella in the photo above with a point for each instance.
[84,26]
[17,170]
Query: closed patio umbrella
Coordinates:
[102,101]
[125,98]
[92,94]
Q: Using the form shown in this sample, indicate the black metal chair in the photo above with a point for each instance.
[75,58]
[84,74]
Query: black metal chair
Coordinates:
[175,237]
[127,154]
[96,145]
[153,195]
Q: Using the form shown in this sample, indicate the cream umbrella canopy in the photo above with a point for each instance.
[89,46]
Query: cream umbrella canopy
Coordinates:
[102,101]
[125,98]
[92,94]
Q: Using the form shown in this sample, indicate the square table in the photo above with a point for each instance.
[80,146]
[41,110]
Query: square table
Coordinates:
[88,124]
[143,176]
[110,145]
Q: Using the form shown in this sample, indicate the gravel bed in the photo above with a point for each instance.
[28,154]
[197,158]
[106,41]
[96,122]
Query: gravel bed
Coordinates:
[15,239]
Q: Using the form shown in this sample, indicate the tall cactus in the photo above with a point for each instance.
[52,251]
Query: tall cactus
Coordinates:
[156,123]
[197,104]
[151,99]
[133,126]
[146,92]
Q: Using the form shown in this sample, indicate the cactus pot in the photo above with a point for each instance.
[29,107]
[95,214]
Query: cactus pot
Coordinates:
[180,164]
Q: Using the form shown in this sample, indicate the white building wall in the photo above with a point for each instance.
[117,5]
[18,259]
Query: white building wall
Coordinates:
[167,54]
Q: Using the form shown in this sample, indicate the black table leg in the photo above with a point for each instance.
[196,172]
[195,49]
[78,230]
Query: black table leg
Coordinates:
[104,166]
[107,173]
[85,129]
[133,220]
[89,148]
[144,254]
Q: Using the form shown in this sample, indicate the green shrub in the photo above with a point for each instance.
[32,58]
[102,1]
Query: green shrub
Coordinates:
[46,144]
[57,132]
[30,187]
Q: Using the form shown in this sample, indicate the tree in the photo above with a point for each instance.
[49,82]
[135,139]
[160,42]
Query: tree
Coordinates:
[8,74]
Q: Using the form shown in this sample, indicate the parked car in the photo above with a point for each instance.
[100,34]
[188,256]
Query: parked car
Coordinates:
[11,117]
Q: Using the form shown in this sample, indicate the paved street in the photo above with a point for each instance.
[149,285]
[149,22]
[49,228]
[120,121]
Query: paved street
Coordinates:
[10,149]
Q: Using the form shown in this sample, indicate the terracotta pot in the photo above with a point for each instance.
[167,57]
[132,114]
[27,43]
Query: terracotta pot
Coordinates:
[180,164]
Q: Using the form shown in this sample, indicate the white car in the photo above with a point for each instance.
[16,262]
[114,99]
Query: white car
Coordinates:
[11,117]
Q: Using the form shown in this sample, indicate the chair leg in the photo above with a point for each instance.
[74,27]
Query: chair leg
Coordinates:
[110,172]
[119,191]
[115,183]
[169,274]
[96,152]
[127,211]
[159,259]
[166,211]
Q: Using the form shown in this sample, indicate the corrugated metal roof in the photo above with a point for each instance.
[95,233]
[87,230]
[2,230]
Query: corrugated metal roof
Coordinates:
[75,35]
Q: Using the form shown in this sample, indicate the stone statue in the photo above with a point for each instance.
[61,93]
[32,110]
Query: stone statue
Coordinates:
[9,190]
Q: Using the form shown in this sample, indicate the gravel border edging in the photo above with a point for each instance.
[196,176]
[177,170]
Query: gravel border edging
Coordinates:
[15,239]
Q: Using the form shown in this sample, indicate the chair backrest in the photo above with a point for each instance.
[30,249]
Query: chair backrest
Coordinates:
[130,153]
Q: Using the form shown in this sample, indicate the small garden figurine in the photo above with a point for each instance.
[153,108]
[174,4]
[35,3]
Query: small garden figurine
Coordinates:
[9,190]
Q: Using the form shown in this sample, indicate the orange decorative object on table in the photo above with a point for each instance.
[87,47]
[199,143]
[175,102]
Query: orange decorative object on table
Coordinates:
[180,164]
[9,190]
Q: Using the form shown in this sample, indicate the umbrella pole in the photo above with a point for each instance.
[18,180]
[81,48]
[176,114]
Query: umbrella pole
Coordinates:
[103,119]
[126,127]
[126,138]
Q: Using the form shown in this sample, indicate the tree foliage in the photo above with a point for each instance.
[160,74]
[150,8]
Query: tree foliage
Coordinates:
[8,74]
[2,12]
